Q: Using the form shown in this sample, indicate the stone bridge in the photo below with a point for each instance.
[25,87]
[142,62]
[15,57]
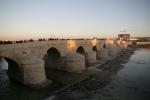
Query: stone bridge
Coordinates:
[27,62]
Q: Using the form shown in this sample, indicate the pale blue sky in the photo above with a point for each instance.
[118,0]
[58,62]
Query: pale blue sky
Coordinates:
[22,19]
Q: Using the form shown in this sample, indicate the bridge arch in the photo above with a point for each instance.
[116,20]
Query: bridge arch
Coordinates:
[104,45]
[3,64]
[81,50]
[52,58]
[14,71]
[53,53]
[94,48]
[11,63]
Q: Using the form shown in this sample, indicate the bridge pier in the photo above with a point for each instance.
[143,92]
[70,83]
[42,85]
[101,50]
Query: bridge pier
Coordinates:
[34,75]
[74,63]
[103,54]
[71,62]
[91,57]
[124,44]
[112,51]
[29,71]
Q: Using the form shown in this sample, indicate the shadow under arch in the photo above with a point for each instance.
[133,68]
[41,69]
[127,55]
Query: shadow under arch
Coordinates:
[94,48]
[53,58]
[14,72]
[104,45]
[80,50]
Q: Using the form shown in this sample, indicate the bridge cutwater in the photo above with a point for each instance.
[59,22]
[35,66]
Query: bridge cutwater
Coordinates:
[28,62]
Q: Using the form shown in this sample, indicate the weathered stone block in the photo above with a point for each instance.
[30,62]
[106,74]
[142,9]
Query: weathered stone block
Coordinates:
[74,63]
[33,73]
[29,71]
[91,57]
[102,54]
[112,51]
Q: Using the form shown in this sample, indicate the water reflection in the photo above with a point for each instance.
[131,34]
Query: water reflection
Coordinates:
[132,82]
[137,70]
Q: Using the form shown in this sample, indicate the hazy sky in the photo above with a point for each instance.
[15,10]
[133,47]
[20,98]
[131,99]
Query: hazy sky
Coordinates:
[22,19]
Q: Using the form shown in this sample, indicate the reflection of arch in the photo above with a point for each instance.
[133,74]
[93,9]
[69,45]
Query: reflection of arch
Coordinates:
[80,50]
[94,48]
[53,58]
[104,45]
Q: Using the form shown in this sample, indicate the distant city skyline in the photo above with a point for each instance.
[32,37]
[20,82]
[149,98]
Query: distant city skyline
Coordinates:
[26,19]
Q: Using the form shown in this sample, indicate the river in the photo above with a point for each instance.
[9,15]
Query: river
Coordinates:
[131,82]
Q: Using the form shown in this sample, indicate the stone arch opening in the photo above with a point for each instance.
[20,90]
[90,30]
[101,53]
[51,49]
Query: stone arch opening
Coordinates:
[94,48]
[11,68]
[54,54]
[53,58]
[80,50]
[104,45]
[3,64]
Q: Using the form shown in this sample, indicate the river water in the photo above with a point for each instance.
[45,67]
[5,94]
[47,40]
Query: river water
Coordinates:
[131,82]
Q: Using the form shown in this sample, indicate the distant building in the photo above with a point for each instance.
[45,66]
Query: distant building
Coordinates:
[124,37]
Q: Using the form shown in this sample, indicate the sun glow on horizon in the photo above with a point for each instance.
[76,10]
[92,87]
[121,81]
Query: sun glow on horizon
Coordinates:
[33,19]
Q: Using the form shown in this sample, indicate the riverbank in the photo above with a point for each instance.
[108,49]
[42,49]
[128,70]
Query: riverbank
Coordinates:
[70,86]
[144,46]
[97,80]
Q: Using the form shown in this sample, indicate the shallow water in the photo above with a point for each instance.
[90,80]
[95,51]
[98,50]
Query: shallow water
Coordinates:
[132,82]
[14,91]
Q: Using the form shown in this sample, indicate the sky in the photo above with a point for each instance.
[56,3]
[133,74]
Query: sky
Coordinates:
[26,19]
